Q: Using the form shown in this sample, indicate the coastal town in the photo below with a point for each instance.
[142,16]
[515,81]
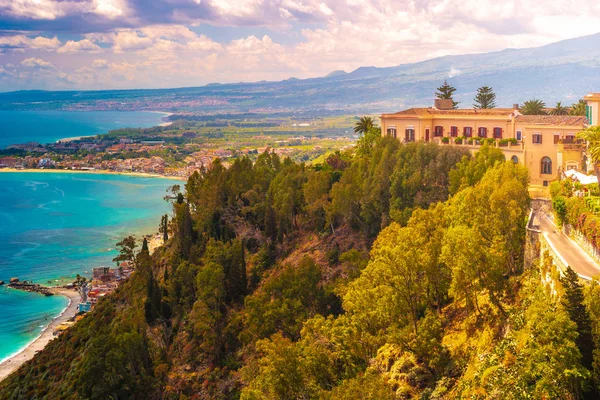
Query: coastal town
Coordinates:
[180,148]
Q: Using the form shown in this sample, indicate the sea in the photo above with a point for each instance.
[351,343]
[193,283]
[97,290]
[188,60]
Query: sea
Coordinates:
[54,226]
[50,126]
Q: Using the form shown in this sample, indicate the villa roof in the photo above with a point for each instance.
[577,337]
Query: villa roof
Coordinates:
[434,112]
[564,120]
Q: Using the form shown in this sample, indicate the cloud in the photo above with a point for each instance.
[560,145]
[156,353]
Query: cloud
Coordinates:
[22,42]
[453,72]
[82,46]
[100,64]
[37,63]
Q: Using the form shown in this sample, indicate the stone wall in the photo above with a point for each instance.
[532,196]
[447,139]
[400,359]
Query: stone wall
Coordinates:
[581,240]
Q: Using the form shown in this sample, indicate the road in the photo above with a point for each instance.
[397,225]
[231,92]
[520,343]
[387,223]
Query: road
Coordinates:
[570,251]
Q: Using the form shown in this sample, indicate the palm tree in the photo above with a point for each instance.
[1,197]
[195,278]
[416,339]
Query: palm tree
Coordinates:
[533,107]
[364,125]
[559,110]
[578,108]
[592,136]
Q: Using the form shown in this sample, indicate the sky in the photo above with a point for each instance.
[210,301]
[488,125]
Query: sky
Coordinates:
[113,44]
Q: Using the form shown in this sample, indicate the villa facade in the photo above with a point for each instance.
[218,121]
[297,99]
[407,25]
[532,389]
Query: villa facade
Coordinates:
[545,144]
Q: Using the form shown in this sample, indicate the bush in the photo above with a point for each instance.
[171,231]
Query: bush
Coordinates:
[445,140]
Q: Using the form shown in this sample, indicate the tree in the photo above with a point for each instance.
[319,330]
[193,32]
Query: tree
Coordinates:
[578,108]
[446,91]
[126,248]
[145,246]
[164,227]
[363,125]
[533,107]
[485,98]
[573,303]
[559,110]
[592,136]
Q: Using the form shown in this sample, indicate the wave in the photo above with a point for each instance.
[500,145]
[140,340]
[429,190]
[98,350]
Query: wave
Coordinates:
[44,329]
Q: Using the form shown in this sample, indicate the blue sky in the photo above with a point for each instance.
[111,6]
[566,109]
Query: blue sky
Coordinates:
[101,44]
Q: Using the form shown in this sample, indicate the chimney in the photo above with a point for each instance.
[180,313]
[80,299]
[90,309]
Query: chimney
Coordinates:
[443,104]
[516,106]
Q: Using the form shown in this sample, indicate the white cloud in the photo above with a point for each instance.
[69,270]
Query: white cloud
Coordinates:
[37,63]
[100,64]
[82,46]
[22,42]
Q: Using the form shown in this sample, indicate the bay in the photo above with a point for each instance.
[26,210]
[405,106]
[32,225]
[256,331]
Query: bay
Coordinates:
[50,126]
[56,225]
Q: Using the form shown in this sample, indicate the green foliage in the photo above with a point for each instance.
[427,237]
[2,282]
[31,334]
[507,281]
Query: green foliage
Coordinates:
[573,303]
[126,251]
[446,91]
[559,109]
[485,98]
[533,107]
[578,108]
[285,300]
[364,125]
[470,171]
[559,205]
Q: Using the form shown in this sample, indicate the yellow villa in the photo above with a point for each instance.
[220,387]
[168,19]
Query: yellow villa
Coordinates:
[545,144]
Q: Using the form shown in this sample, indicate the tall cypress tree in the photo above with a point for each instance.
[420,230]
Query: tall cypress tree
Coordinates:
[485,98]
[572,301]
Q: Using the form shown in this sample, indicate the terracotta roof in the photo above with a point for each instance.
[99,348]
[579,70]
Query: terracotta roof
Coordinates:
[432,112]
[566,120]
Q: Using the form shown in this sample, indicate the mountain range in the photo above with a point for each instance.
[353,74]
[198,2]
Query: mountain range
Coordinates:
[562,71]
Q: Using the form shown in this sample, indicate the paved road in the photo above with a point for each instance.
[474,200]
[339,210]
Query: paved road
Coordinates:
[573,255]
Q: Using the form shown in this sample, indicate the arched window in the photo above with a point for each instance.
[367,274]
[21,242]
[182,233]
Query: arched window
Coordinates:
[546,166]
[514,159]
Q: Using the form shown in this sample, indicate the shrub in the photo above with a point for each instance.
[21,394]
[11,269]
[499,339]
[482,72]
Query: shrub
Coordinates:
[445,140]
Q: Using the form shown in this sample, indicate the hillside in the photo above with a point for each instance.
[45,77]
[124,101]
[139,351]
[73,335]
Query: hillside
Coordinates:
[562,71]
[395,271]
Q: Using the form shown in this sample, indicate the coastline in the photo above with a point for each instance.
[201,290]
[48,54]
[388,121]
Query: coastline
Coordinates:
[93,171]
[15,361]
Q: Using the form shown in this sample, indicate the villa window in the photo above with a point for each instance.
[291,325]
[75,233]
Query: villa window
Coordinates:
[392,132]
[588,114]
[468,131]
[409,135]
[454,131]
[514,159]
[519,135]
[482,132]
[556,138]
[536,138]
[438,131]
[546,166]
[497,133]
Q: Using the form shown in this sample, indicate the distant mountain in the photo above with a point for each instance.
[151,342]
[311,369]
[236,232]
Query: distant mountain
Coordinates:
[333,74]
[562,71]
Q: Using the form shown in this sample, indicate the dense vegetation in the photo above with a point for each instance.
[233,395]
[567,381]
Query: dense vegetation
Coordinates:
[265,289]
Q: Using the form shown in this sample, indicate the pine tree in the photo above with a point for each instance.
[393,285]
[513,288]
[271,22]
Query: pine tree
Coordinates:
[446,91]
[572,302]
[485,98]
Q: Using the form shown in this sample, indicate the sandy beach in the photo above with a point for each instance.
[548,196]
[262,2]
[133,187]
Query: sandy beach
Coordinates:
[12,364]
[95,171]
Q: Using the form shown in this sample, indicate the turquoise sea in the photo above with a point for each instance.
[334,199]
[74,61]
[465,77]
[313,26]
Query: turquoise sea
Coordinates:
[50,126]
[56,225]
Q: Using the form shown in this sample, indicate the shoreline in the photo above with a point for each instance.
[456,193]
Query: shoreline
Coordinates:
[16,360]
[93,171]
